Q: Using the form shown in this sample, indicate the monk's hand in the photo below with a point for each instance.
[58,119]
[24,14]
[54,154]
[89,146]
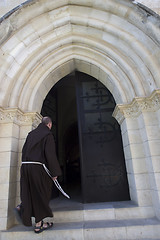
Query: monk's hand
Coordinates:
[54,178]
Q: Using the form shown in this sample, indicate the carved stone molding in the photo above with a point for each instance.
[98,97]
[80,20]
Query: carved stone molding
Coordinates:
[15,115]
[137,106]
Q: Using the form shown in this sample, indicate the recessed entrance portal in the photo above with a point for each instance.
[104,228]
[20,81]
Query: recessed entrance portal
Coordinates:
[88,139]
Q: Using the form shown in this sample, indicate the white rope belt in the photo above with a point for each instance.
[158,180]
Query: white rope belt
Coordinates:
[48,172]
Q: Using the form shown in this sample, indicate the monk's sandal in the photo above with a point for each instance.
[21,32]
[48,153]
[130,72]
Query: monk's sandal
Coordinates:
[42,228]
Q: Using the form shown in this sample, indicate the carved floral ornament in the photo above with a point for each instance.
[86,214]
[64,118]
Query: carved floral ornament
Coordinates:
[137,106]
[17,116]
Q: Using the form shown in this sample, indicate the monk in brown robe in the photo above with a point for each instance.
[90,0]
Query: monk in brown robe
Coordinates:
[35,183]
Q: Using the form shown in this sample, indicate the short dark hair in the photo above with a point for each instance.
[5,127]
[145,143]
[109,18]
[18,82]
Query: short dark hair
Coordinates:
[46,120]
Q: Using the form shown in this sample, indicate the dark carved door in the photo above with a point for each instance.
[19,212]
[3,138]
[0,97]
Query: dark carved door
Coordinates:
[103,169]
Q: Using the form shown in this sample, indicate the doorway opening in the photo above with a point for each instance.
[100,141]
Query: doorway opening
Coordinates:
[60,105]
[88,139]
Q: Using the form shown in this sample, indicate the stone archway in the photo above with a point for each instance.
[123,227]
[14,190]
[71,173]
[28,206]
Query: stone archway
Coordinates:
[115,42]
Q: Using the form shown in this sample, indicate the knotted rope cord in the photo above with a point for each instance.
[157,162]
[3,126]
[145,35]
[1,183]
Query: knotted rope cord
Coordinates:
[48,172]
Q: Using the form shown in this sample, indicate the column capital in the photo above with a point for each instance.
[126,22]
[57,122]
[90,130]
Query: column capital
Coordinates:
[137,106]
[15,115]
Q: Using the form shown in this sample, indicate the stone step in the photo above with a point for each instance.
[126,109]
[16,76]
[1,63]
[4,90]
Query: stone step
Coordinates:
[67,211]
[91,230]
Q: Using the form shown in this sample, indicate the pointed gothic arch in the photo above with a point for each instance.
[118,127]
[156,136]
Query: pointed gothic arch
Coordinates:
[115,42]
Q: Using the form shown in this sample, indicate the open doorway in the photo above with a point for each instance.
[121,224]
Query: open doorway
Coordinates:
[88,139]
[60,105]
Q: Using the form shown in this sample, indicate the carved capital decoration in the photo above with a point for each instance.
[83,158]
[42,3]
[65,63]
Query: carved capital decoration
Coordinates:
[15,115]
[137,106]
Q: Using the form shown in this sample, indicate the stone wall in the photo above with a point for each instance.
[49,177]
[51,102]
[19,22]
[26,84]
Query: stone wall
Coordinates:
[8,5]
[117,42]
[14,127]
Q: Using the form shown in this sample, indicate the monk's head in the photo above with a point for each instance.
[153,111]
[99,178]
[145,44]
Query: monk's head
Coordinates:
[47,121]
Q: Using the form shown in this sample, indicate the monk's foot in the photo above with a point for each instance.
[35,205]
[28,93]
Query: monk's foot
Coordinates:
[41,226]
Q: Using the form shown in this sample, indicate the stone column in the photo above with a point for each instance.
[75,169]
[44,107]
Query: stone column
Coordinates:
[13,124]
[141,138]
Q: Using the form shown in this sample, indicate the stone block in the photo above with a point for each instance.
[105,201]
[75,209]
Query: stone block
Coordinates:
[20,58]
[154,147]
[144,197]
[14,159]
[10,44]
[157,211]
[79,11]
[61,22]
[6,130]
[21,143]
[143,134]
[11,221]
[15,145]
[125,139]
[155,199]
[134,213]
[147,212]
[45,38]
[91,233]
[157,181]
[131,181]
[59,13]
[16,52]
[24,130]
[133,195]
[3,208]
[130,124]
[89,215]
[150,118]
[31,37]
[12,190]
[139,165]
[43,22]
[134,136]
[81,66]
[4,190]
[75,232]
[5,144]
[71,216]
[154,163]
[142,181]
[5,159]
[153,132]
[136,166]
[137,150]
[95,71]
[24,33]
[15,131]
[129,166]
[127,152]
[147,232]
[50,5]
[4,175]
[13,174]
[63,30]
[27,233]
[18,191]
[88,3]
[37,102]
[13,69]
[123,127]
[3,224]
[33,46]
[11,206]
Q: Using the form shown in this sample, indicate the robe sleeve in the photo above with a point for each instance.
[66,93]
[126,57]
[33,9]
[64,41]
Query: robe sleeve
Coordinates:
[51,157]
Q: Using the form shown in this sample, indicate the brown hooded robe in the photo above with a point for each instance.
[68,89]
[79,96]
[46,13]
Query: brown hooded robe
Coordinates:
[35,184]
